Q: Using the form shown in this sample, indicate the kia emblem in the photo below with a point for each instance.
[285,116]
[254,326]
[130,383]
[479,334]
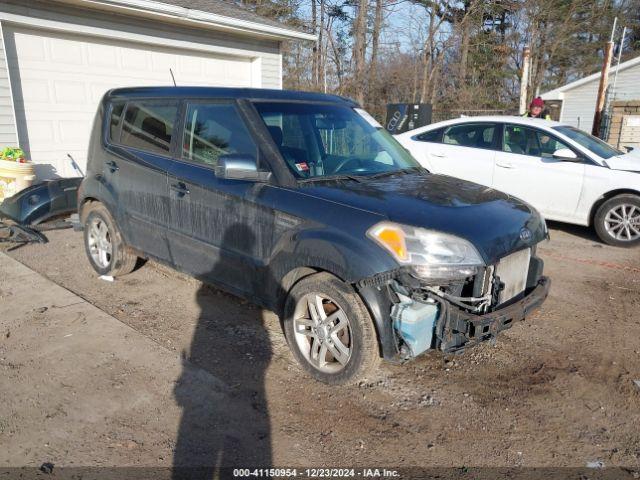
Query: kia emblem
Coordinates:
[525,234]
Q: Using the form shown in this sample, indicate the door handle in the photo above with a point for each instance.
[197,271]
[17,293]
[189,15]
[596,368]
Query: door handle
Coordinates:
[438,155]
[180,188]
[113,166]
[504,165]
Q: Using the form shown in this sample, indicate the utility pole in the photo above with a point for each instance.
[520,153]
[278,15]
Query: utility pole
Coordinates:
[524,79]
[604,80]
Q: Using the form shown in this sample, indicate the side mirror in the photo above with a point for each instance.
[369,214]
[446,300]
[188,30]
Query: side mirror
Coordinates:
[566,155]
[628,148]
[240,166]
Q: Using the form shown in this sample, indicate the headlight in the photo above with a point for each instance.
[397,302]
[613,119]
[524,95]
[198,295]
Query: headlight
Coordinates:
[433,255]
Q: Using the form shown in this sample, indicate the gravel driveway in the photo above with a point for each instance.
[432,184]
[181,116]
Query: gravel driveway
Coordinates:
[556,390]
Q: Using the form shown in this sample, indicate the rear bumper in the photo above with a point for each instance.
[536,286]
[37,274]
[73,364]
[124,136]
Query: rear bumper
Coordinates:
[458,330]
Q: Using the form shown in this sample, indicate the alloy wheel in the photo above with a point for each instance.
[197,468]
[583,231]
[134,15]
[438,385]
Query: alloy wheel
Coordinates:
[99,241]
[622,222]
[323,333]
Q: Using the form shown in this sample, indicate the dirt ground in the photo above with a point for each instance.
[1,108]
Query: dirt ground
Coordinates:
[556,390]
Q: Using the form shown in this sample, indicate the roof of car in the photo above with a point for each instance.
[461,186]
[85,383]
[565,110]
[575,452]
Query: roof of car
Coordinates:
[520,119]
[225,92]
[488,118]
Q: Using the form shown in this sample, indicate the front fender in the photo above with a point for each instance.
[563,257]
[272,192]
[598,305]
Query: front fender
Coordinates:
[42,201]
[344,256]
[331,250]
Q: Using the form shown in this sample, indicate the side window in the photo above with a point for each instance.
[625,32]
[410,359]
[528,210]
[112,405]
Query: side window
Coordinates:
[114,121]
[519,139]
[548,144]
[211,130]
[529,141]
[479,135]
[148,125]
[434,136]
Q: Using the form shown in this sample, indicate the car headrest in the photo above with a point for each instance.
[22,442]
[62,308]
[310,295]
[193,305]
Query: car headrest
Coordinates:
[276,134]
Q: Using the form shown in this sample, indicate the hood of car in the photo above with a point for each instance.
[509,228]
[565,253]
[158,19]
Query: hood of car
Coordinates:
[629,161]
[494,222]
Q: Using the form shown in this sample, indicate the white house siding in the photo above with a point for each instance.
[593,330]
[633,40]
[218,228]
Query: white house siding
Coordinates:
[61,60]
[8,132]
[579,103]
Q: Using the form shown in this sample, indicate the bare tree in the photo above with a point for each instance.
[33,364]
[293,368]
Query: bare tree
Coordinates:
[375,42]
[360,49]
[456,54]
[314,27]
[322,60]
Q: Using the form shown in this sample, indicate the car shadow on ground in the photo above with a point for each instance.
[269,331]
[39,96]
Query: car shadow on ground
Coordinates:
[225,418]
[586,233]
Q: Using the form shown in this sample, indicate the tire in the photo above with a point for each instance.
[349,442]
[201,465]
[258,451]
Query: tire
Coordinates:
[309,338]
[609,221]
[120,261]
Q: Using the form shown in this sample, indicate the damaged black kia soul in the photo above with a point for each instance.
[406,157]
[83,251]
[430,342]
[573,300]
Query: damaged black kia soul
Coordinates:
[302,203]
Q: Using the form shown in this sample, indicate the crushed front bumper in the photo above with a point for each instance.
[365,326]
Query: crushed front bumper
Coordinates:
[457,329]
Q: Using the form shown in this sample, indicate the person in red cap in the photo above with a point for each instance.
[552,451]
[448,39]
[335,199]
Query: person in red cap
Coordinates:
[537,110]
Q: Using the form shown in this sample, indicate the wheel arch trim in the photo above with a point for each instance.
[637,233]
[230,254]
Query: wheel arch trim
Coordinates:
[608,196]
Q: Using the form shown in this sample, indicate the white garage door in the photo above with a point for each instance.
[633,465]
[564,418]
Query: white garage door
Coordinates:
[58,79]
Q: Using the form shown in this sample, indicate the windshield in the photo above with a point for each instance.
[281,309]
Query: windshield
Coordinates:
[323,140]
[591,143]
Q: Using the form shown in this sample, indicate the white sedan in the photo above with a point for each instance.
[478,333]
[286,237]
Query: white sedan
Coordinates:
[565,173]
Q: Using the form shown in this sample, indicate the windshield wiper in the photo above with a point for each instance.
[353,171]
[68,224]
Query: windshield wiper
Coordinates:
[394,172]
[329,178]
[361,178]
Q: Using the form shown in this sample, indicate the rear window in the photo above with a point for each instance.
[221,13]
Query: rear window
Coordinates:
[114,122]
[148,125]
[481,135]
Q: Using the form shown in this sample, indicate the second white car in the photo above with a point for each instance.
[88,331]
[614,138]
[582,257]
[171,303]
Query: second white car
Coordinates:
[565,173]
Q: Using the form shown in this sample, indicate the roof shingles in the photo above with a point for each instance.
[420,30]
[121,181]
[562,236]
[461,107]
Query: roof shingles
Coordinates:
[227,9]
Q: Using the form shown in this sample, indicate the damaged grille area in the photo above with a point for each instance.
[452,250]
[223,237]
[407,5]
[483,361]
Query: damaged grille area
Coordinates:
[512,272]
[456,315]
[489,289]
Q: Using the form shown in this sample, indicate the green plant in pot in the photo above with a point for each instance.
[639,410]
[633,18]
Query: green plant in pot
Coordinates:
[13,154]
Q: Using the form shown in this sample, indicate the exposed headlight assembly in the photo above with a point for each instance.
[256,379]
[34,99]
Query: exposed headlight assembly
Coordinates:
[432,255]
